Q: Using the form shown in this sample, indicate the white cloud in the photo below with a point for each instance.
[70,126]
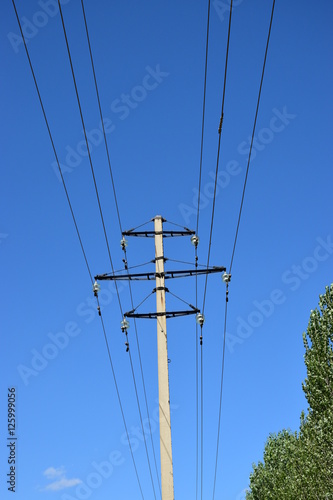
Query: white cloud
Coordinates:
[60,481]
[53,472]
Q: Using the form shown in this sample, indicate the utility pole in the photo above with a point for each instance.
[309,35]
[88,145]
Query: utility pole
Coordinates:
[161,316]
[163,369]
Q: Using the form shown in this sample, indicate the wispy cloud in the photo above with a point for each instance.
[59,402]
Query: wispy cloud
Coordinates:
[60,481]
[53,472]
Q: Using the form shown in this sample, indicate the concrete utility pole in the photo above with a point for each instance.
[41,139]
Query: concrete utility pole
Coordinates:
[163,369]
[161,316]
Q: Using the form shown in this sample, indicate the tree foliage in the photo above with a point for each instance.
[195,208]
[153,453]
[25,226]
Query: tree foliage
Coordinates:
[300,465]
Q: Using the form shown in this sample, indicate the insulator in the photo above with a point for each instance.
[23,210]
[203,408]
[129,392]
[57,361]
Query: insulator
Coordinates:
[226,277]
[124,324]
[123,243]
[195,240]
[200,319]
[96,288]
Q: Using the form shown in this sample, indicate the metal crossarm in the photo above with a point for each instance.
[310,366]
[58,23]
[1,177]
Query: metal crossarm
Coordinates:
[152,234]
[155,315]
[166,274]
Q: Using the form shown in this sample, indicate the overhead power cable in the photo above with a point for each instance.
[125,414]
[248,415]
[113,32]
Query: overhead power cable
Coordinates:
[141,421]
[103,224]
[252,137]
[196,278]
[203,116]
[218,152]
[79,237]
[210,236]
[196,383]
[144,390]
[87,145]
[221,390]
[125,253]
[202,413]
[233,252]
[101,115]
[118,395]
[52,143]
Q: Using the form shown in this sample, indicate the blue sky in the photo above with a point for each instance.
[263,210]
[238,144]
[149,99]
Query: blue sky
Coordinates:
[68,417]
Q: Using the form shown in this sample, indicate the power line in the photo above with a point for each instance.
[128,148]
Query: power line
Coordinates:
[126,266]
[101,215]
[52,142]
[233,252]
[118,395]
[100,112]
[196,277]
[253,132]
[142,377]
[202,413]
[221,389]
[203,115]
[77,231]
[212,219]
[218,152]
[144,390]
[143,431]
[87,145]
[196,380]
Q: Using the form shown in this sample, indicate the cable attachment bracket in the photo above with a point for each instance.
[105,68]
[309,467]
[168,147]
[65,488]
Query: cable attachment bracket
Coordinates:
[159,288]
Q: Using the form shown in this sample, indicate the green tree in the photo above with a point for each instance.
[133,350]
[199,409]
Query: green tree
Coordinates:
[299,465]
[274,478]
